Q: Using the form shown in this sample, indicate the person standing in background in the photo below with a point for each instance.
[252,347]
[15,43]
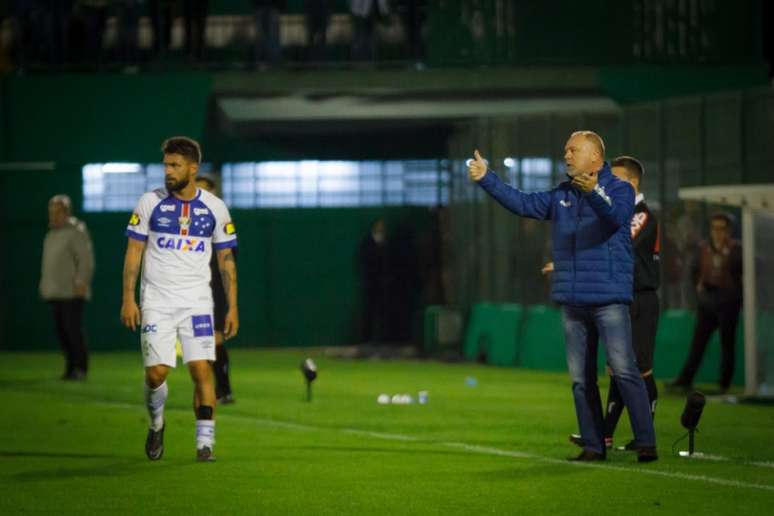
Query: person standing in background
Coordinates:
[318,14]
[221,366]
[268,46]
[717,273]
[195,22]
[373,261]
[65,281]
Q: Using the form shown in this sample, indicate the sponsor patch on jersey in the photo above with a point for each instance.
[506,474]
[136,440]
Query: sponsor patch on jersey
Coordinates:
[134,219]
[201,211]
[230,228]
[167,207]
[202,325]
[181,244]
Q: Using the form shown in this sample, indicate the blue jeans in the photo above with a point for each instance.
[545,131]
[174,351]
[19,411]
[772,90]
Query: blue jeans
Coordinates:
[582,326]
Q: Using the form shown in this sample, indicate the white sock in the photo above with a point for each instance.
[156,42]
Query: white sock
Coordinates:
[205,433]
[154,402]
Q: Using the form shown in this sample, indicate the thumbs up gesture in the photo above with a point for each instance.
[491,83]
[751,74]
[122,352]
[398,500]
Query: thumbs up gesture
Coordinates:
[477,167]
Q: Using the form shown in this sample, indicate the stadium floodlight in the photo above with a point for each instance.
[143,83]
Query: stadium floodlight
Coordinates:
[694,405]
[309,370]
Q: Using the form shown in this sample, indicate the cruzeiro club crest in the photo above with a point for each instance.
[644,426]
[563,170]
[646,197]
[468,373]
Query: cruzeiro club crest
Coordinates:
[184,222]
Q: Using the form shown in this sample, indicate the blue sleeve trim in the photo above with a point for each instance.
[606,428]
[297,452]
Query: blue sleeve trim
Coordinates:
[618,206]
[225,245]
[136,236]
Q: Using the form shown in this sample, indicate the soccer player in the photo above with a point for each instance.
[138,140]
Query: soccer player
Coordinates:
[172,233]
[221,366]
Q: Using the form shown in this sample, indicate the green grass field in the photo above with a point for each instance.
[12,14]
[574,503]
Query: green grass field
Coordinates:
[495,448]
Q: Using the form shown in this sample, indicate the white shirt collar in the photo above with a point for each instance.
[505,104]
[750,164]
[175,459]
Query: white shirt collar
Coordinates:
[640,197]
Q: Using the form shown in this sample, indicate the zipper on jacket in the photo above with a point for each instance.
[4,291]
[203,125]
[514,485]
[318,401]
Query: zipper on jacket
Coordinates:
[575,247]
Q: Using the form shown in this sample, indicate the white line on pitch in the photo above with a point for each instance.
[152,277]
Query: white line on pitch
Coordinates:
[486,450]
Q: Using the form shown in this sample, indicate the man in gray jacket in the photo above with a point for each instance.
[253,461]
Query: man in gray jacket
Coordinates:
[65,281]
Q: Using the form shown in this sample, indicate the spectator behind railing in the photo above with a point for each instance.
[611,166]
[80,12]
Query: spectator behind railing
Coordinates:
[39,28]
[128,13]
[195,21]
[267,30]
[318,14]
[93,15]
[365,14]
[160,12]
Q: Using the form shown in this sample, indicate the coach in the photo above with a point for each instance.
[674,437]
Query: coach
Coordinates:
[592,254]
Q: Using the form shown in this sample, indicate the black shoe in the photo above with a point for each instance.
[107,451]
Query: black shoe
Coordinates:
[204,454]
[154,444]
[228,399]
[588,456]
[577,440]
[76,375]
[647,454]
[630,446]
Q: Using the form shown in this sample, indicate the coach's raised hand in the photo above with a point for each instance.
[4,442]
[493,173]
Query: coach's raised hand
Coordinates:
[477,167]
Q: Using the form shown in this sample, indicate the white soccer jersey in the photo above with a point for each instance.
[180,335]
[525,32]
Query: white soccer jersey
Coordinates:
[180,236]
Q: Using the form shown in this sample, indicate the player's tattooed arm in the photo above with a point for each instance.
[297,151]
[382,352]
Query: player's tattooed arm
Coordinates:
[130,312]
[228,274]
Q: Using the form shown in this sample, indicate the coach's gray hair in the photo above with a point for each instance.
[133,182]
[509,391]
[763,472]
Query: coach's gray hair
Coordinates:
[594,138]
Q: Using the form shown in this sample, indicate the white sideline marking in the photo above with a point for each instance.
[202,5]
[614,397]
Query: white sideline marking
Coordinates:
[486,450]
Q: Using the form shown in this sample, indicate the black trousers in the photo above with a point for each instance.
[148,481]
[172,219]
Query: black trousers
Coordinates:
[644,312]
[713,312]
[68,320]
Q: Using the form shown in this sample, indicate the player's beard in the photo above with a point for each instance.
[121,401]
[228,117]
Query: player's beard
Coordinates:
[175,186]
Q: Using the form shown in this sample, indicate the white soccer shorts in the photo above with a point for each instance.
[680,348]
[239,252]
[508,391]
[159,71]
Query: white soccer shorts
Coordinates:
[161,328]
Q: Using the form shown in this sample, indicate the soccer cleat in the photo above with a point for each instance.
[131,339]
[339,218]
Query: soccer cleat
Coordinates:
[154,444]
[646,454]
[204,454]
[226,400]
[588,456]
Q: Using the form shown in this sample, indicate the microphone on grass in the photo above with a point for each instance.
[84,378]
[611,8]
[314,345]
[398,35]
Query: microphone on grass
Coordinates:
[309,370]
[694,405]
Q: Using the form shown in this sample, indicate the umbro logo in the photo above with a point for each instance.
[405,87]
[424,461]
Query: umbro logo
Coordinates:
[565,204]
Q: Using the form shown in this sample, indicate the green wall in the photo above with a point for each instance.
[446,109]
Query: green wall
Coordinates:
[298,278]
[107,117]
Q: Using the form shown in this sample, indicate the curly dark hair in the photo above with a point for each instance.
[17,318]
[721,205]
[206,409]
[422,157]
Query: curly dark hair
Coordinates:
[186,147]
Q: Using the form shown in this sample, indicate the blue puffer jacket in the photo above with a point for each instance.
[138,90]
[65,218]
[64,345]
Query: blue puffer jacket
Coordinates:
[592,244]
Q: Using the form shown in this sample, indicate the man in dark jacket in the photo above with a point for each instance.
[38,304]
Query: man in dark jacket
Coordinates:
[592,254]
[717,273]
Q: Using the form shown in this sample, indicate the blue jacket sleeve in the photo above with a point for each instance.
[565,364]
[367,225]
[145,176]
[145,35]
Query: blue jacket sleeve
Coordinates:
[533,205]
[616,205]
